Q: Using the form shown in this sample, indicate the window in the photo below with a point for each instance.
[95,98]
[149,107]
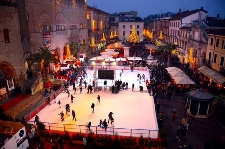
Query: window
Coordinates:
[123,26]
[217,42]
[211,41]
[73,27]
[130,26]
[81,26]
[60,27]
[6,35]
[123,33]
[221,61]
[223,44]
[196,35]
[137,26]
[215,56]
[138,33]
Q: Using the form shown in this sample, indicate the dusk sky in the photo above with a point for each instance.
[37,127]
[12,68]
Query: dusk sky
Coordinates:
[146,7]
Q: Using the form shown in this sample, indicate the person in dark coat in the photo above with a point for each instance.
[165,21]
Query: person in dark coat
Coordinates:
[74,115]
[98,98]
[62,116]
[72,97]
[93,107]
[105,125]
[174,114]
[132,87]
[60,142]
[157,107]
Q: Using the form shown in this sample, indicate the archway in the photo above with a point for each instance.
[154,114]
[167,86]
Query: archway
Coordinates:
[9,71]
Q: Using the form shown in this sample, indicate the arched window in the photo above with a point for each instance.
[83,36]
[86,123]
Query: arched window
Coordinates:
[6,35]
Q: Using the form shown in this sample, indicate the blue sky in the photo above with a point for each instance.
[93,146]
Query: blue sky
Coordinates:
[146,7]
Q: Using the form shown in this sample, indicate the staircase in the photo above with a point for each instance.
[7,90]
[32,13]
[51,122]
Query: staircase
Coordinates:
[34,84]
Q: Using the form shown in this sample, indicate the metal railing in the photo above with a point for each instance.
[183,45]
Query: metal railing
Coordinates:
[99,130]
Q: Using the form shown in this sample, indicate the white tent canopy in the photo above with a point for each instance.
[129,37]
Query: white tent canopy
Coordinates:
[120,59]
[134,58]
[96,58]
[172,69]
[109,53]
[110,60]
[178,74]
[183,80]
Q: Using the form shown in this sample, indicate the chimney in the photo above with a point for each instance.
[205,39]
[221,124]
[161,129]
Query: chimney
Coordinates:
[201,8]
[218,15]
[179,10]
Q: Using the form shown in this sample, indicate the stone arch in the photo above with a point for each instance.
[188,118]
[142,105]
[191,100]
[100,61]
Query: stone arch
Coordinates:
[45,19]
[8,69]
[73,19]
[60,18]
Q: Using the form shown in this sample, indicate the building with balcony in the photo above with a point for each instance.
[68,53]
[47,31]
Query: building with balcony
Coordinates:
[215,57]
[98,29]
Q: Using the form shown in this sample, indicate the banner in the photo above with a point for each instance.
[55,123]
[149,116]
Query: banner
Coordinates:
[10,84]
[47,39]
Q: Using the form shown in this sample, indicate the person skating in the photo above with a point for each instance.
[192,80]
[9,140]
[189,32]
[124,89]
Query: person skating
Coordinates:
[74,115]
[80,89]
[67,91]
[36,119]
[132,87]
[62,116]
[59,103]
[67,108]
[100,123]
[89,125]
[110,117]
[72,97]
[105,125]
[98,98]
[75,89]
[93,107]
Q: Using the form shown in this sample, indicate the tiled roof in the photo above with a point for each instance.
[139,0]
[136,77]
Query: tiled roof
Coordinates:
[216,32]
[95,9]
[184,14]
[131,19]
[215,22]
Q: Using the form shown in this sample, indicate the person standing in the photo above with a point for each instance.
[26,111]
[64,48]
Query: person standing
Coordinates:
[54,98]
[132,87]
[85,84]
[157,108]
[75,89]
[93,107]
[80,89]
[60,142]
[74,115]
[67,91]
[105,124]
[98,98]
[174,114]
[67,108]
[59,103]
[62,116]
[72,97]
[85,142]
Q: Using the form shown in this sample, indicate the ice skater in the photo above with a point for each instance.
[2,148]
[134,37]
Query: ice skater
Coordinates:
[62,116]
[72,97]
[75,89]
[59,103]
[100,123]
[74,115]
[105,125]
[98,98]
[80,88]
[132,87]
[67,108]
[93,107]
[89,125]
[110,117]
[67,91]
[54,98]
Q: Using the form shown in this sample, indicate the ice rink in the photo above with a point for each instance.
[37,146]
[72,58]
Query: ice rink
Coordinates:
[133,112]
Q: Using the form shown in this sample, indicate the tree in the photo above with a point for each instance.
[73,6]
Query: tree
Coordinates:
[133,38]
[45,57]
[76,48]
[168,48]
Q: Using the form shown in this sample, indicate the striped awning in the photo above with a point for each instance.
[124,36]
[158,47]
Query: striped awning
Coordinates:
[211,73]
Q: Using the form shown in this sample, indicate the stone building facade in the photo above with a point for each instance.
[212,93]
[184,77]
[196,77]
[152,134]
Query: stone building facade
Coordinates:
[12,60]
